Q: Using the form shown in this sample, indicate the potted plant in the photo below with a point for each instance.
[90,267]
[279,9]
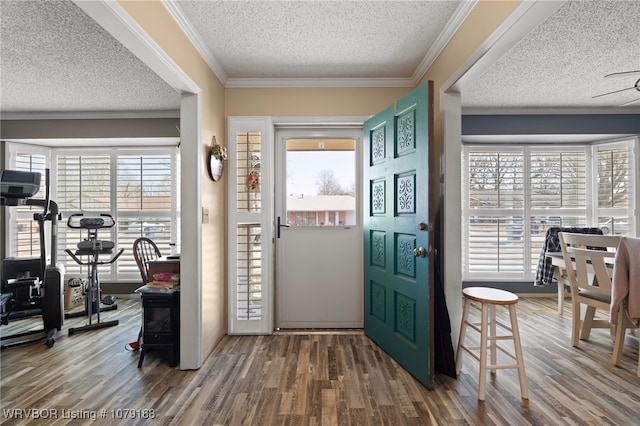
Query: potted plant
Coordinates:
[217,154]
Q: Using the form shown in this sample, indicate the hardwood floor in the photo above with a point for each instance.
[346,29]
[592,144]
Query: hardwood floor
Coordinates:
[308,378]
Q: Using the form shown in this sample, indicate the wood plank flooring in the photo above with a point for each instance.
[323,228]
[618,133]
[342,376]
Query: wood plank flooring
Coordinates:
[311,378]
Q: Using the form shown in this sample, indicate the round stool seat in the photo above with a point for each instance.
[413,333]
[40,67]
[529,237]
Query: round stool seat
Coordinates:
[493,296]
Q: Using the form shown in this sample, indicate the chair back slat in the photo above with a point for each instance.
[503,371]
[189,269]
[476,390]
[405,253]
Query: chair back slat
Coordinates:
[589,261]
[144,251]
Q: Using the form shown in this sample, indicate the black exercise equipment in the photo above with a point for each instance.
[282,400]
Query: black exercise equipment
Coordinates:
[31,286]
[92,247]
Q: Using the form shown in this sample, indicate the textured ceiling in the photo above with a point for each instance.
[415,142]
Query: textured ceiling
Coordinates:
[54,58]
[318,39]
[563,61]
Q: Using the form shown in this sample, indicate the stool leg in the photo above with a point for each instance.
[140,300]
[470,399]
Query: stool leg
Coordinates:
[483,352]
[463,330]
[493,332]
[518,349]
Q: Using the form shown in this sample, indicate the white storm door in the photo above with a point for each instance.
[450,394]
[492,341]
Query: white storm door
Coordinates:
[318,280]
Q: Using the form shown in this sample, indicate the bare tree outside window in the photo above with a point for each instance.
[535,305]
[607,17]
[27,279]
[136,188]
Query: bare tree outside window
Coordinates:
[328,184]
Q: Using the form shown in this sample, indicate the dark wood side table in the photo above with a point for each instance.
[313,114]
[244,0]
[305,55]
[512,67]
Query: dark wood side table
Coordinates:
[161,324]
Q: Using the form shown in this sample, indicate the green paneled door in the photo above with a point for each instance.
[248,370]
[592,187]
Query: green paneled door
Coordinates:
[397,288]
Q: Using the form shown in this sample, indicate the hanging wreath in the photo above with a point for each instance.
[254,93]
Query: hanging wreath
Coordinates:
[253,179]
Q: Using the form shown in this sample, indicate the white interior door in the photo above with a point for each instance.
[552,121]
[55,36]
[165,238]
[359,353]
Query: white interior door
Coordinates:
[318,280]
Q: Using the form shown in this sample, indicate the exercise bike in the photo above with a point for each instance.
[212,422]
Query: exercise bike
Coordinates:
[30,286]
[92,248]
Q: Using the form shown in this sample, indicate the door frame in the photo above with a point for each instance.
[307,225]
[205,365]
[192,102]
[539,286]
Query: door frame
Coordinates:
[313,131]
[267,125]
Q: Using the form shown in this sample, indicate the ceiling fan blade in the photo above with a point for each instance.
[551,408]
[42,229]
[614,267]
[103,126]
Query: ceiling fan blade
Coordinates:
[616,74]
[611,93]
[631,102]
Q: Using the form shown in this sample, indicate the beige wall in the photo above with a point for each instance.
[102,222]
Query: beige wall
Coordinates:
[312,102]
[156,21]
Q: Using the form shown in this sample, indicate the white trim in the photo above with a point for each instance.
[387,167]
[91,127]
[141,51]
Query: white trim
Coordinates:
[443,39]
[317,121]
[525,17]
[116,21]
[88,115]
[192,352]
[451,195]
[318,82]
[440,43]
[196,40]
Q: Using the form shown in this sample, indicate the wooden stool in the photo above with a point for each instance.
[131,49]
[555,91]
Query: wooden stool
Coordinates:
[489,298]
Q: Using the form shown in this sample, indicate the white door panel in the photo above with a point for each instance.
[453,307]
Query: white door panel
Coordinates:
[321,285]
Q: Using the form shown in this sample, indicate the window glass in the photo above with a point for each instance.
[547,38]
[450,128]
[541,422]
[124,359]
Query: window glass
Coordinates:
[558,179]
[613,178]
[321,182]
[249,196]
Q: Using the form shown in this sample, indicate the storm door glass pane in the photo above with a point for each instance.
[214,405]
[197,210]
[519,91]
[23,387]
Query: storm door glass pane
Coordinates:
[321,182]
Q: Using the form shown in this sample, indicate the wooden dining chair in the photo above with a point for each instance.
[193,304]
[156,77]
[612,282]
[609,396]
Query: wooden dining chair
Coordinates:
[144,251]
[589,265]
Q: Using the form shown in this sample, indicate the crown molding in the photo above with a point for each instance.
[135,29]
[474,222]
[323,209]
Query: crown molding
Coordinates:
[88,115]
[317,82]
[254,83]
[443,39]
[196,40]
[320,121]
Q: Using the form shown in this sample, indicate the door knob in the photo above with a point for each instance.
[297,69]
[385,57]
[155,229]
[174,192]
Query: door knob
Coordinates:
[420,252]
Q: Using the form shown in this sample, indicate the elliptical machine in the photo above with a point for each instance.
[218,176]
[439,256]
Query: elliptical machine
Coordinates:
[92,247]
[45,292]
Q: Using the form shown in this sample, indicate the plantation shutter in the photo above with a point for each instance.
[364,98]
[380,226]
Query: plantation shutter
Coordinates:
[493,206]
[83,183]
[250,222]
[144,191]
[616,186]
[25,235]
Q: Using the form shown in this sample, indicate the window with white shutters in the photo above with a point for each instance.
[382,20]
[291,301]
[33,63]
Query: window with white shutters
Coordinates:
[137,186]
[512,195]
